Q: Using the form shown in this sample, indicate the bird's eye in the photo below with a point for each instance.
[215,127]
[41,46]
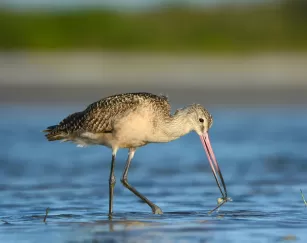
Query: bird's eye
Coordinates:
[201,119]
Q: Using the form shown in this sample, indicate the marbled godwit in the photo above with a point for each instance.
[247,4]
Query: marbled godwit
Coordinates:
[133,120]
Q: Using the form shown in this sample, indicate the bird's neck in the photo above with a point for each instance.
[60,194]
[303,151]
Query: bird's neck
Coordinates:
[175,127]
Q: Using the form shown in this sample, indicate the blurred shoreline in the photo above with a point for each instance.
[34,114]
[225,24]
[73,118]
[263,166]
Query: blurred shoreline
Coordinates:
[172,27]
[70,77]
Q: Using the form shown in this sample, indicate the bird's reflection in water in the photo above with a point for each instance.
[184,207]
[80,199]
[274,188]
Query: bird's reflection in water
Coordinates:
[141,231]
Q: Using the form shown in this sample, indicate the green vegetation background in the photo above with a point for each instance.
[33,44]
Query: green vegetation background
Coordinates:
[275,27]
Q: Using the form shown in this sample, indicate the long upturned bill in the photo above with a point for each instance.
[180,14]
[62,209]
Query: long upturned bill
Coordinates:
[214,164]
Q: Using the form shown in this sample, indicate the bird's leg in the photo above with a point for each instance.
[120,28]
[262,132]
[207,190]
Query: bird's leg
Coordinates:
[112,182]
[124,180]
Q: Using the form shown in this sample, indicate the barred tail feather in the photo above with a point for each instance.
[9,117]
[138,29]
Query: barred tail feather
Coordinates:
[53,134]
[49,129]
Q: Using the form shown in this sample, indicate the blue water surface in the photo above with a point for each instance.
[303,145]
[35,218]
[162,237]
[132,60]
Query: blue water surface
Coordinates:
[261,151]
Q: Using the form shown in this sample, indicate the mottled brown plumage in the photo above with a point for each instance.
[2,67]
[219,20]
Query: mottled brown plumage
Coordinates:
[99,116]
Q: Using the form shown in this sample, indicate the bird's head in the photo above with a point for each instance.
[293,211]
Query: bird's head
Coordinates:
[200,119]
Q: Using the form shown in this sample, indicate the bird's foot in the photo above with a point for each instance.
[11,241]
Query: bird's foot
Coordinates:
[156,210]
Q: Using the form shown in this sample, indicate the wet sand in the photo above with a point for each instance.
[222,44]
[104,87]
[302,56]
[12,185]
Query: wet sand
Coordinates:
[66,95]
[70,77]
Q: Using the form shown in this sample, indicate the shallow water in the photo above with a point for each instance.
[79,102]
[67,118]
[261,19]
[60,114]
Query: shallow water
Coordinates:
[261,151]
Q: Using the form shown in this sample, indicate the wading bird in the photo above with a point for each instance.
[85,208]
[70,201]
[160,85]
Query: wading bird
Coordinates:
[132,120]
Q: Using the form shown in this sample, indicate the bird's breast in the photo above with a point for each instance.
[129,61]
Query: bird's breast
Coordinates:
[133,130]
